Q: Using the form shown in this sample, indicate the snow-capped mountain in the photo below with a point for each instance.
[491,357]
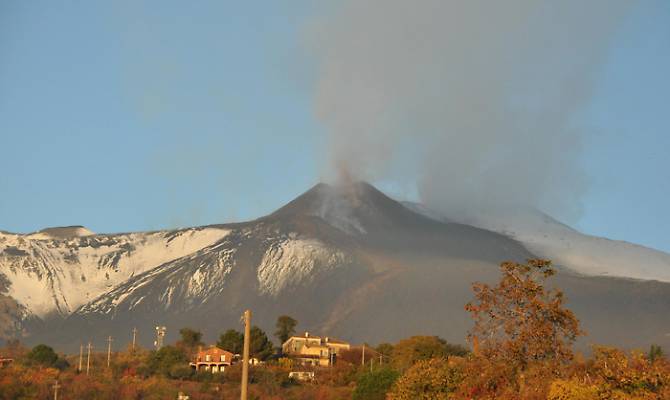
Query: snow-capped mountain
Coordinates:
[565,246]
[58,270]
[346,261]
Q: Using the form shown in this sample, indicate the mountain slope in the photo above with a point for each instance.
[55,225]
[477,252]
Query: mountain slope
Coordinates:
[49,273]
[553,240]
[345,261]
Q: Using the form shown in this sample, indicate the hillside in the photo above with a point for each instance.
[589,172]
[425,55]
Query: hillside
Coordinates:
[345,261]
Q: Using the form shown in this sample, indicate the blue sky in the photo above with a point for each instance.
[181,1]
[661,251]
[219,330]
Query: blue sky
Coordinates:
[126,116]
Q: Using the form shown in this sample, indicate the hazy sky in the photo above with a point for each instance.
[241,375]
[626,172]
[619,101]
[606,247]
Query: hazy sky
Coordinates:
[144,115]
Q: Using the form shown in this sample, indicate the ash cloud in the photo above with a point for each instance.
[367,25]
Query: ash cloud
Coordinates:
[475,102]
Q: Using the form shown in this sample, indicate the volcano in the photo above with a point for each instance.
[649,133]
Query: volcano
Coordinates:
[345,261]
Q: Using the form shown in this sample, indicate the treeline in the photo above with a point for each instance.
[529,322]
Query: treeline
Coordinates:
[521,348]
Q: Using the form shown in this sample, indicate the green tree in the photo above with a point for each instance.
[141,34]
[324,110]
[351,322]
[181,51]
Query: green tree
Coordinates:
[232,341]
[374,385]
[260,346]
[42,355]
[385,349]
[655,353]
[190,338]
[285,328]
[163,360]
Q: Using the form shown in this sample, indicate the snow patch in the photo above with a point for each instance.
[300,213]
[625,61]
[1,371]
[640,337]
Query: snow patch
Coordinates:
[293,262]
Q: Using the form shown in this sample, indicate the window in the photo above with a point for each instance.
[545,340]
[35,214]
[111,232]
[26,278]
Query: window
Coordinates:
[208,357]
[223,357]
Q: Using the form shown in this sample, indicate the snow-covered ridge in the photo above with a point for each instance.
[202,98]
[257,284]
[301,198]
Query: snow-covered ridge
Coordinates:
[295,262]
[57,275]
[60,233]
[188,281]
[565,246]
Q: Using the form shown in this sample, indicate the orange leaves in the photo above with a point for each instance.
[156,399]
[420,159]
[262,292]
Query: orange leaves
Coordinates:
[520,321]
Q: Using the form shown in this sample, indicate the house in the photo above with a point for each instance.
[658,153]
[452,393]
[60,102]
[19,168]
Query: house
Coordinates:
[5,361]
[313,350]
[212,359]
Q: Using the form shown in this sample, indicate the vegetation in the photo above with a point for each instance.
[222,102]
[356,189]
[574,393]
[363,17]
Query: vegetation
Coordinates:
[232,341]
[436,378]
[260,346]
[373,385]
[417,348]
[166,361]
[522,342]
[190,339]
[285,328]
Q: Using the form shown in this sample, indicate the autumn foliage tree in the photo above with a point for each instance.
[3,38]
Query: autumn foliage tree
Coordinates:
[432,379]
[416,348]
[520,320]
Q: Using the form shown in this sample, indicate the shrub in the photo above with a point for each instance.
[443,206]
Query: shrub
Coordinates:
[163,360]
[42,355]
[374,385]
[433,379]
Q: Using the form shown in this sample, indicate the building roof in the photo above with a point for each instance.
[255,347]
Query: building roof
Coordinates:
[213,349]
[326,339]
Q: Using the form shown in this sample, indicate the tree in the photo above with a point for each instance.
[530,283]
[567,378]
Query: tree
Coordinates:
[519,321]
[373,385]
[42,355]
[232,341]
[260,346]
[416,348]
[655,353]
[190,338]
[433,379]
[163,360]
[613,374]
[285,328]
[385,349]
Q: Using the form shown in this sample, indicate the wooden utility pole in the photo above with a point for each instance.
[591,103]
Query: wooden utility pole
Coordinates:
[109,350]
[245,355]
[380,359]
[88,358]
[81,356]
[56,387]
[134,336]
[363,357]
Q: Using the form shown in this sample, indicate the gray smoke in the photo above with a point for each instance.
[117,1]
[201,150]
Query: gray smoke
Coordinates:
[476,102]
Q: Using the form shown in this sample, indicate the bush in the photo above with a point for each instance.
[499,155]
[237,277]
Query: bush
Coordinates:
[374,385]
[572,390]
[433,379]
[181,372]
[61,364]
[42,355]
[417,348]
[163,360]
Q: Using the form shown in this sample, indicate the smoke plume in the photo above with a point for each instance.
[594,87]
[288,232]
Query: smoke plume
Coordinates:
[476,102]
